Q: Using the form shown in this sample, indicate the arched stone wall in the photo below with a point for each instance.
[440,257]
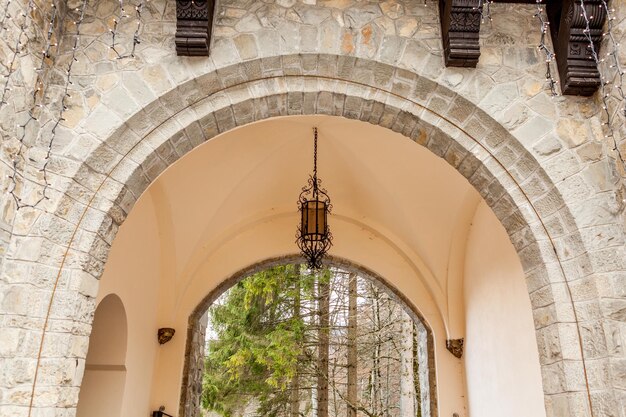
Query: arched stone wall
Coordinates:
[510,180]
[130,119]
[194,349]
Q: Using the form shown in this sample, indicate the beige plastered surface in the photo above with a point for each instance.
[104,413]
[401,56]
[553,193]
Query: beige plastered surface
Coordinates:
[398,211]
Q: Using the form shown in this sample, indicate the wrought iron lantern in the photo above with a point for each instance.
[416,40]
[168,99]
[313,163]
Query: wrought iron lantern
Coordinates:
[314,237]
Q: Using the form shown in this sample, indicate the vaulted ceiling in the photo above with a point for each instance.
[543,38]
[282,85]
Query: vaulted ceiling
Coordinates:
[380,182]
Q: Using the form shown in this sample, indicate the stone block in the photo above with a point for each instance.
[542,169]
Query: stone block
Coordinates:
[246,46]
[10,342]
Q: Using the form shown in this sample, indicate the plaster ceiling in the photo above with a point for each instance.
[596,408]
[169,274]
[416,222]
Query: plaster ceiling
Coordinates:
[375,177]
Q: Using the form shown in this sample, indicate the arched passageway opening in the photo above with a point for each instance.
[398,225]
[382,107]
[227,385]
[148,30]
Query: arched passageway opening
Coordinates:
[223,210]
[102,390]
[288,341]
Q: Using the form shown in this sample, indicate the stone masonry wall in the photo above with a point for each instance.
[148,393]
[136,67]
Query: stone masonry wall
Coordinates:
[23,69]
[423,358]
[194,368]
[541,163]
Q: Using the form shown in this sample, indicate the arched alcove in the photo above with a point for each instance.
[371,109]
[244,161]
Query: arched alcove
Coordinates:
[102,390]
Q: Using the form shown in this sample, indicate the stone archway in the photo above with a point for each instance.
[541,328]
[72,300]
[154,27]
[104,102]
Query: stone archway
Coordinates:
[194,346]
[513,184]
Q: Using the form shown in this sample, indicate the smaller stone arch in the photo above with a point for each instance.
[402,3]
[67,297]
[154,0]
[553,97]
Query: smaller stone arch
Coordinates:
[102,390]
[191,387]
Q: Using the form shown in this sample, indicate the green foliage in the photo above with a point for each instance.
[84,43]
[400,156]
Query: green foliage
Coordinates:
[259,341]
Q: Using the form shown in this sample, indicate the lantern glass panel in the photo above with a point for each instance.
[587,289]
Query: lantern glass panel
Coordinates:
[321,218]
[303,221]
[314,219]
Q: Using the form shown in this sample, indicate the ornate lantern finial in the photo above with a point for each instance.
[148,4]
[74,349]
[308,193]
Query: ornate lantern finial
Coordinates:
[314,237]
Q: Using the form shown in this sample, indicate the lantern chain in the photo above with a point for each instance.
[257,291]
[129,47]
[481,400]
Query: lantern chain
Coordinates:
[315,153]
[604,81]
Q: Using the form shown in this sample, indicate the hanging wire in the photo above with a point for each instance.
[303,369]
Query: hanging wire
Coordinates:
[604,81]
[315,153]
[5,16]
[46,53]
[66,95]
[16,51]
[38,94]
[543,47]
[39,89]
[117,21]
[136,41]
[484,8]
[613,54]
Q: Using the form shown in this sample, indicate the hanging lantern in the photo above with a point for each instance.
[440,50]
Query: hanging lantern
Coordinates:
[314,237]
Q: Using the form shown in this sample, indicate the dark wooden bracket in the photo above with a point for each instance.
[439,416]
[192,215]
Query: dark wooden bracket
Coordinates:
[460,25]
[194,20]
[578,71]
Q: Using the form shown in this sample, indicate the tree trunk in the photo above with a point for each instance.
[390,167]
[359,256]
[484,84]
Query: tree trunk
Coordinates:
[352,352]
[407,385]
[314,402]
[416,375]
[376,385]
[295,382]
[323,349]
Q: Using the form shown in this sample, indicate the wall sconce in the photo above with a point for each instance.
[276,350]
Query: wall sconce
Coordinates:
[166,334]
[161,412]
[455,346]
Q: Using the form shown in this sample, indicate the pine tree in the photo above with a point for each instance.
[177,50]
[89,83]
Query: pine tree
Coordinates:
[288,343]
[259,343]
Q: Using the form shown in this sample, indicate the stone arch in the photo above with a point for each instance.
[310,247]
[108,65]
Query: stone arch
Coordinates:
[194,350]
[102,390]
[510,180]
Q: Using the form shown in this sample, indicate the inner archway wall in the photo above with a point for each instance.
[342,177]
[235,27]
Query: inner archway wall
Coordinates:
[138,117]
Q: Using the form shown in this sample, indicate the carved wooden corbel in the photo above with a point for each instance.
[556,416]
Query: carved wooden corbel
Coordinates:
[578,71]
[460,24]
[194,19]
